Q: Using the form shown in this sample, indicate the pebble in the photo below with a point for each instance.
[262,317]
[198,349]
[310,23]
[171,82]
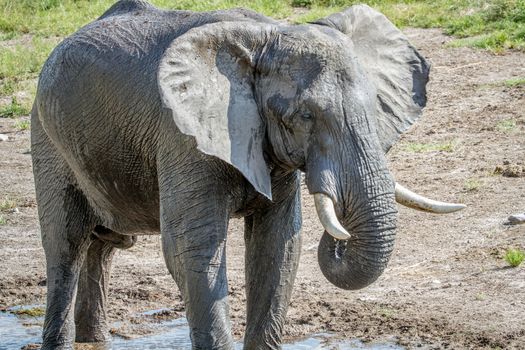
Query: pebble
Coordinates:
[312,247]
[4,137]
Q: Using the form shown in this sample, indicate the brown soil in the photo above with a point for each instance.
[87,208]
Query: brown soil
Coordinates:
[447,285]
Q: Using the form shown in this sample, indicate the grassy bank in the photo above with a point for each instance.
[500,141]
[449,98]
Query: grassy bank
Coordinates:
[495,25]
[29,29]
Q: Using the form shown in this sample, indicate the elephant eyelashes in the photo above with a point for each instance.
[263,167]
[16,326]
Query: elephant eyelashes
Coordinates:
[302,116]
[298,121]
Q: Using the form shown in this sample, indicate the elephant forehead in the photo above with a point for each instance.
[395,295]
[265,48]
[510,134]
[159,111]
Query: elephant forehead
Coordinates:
[316,36]
[325,93]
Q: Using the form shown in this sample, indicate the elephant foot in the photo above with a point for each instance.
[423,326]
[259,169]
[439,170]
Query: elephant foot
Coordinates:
[56,346]
[94,345]
[90,346]
[97,337]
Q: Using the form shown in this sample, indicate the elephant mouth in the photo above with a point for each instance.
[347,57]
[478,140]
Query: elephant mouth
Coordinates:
[327,215]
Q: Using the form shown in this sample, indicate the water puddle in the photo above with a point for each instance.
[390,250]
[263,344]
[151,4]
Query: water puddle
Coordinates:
[19,330]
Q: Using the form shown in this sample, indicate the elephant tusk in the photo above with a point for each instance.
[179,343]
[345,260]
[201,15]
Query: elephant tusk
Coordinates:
[415,201]
[326,212]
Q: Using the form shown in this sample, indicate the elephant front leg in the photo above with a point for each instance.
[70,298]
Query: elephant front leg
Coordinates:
[273,246]
[194,240]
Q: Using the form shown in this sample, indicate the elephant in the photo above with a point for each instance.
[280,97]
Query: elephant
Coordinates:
[148,121]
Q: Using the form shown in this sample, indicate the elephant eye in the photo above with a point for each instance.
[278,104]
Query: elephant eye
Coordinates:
[307,116]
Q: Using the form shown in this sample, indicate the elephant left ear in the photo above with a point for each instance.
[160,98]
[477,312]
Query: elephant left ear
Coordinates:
[393,65]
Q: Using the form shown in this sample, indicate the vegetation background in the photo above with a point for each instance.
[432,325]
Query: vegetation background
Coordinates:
[30,29]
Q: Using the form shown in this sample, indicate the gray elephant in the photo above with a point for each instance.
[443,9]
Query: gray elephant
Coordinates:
[149,121]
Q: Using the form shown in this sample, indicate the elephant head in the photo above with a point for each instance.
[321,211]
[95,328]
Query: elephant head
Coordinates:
[328,98]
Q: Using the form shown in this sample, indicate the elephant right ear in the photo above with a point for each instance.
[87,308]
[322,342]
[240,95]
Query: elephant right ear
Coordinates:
[393,65]
[206,79]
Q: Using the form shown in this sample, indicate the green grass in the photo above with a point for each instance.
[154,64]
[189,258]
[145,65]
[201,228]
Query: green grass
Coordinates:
[29,29]
[514,82]
[472,185]
[430,147]
[507,125]
[32,312]
[3,220]
[25,59]
[514,257]
[510,83]
[496,42]
[14,109]
[494,25]
[480,296]
[502,22]
[19,68]
[61,17]
[7,203]
[22,125]
[10,86]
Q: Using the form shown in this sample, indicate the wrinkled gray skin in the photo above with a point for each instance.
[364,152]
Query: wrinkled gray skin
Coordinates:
[152,121]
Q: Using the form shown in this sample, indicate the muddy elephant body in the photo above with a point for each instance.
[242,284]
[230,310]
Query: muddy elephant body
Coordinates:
[150,121]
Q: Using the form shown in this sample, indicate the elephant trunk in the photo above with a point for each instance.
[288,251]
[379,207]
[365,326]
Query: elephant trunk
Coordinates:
[362,197]
[356,262]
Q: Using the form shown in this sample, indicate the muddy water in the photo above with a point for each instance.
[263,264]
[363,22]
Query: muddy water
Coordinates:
[17,331]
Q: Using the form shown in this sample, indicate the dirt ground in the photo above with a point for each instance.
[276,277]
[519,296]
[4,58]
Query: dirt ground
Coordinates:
[447,285]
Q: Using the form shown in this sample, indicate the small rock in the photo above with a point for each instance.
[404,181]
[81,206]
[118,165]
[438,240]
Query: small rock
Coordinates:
[367,298]
[312,247]
[42,283]
[14,210]
[4,137]
[517,219]
[517,284]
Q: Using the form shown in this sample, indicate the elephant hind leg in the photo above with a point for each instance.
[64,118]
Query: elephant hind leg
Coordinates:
[90,306]
[66,227]
[66,223]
